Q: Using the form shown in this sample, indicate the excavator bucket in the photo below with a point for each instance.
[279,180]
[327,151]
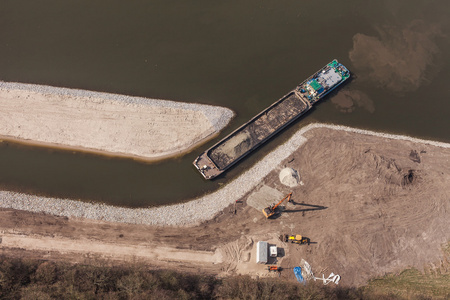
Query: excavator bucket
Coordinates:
[271,210]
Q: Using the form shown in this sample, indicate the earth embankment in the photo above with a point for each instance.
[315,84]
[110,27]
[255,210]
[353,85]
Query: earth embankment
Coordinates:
[109,123]
[371,204]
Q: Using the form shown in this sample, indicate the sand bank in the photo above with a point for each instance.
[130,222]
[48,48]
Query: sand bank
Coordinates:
[110,123]
[188,213]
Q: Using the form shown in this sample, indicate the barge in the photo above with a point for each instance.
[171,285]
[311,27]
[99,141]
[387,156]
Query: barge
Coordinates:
[270,121]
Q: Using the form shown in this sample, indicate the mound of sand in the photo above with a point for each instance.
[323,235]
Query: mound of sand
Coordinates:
[289,177]
[117,124]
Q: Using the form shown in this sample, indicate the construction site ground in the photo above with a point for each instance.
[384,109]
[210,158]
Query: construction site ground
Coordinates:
[370,206]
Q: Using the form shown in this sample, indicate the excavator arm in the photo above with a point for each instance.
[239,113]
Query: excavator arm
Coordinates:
[287,197]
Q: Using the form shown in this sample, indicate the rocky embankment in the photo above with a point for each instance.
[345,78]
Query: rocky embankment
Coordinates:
[188,213]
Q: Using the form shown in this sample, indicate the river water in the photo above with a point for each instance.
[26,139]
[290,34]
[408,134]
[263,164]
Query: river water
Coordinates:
[239,54]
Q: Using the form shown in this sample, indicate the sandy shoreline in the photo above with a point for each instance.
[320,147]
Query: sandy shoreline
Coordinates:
[106,123]
[185,213]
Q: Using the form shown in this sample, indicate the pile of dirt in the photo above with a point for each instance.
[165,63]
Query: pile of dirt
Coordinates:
[289,177]
[392,171]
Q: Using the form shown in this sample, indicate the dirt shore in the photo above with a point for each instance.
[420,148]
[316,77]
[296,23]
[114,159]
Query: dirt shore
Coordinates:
[370,203]
[116,124]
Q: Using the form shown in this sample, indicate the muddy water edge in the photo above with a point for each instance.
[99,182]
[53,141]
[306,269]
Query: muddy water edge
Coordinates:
[239,55]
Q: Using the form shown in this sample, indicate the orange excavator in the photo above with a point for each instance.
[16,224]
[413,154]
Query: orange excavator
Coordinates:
[274,269]
[271,210]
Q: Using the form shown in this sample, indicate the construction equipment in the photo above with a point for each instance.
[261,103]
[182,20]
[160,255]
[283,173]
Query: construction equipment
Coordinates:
[271,210]
[296,239]
[274,269]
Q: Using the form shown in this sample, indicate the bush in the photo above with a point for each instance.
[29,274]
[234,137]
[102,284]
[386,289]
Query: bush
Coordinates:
[26,279]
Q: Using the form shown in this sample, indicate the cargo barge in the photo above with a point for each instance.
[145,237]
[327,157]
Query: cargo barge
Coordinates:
[270,121]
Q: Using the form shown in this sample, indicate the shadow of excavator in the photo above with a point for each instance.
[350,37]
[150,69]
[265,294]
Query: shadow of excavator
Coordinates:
[309,207]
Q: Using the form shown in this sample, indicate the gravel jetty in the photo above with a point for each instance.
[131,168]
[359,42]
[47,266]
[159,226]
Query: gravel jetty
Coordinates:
[185,214]
[119,124]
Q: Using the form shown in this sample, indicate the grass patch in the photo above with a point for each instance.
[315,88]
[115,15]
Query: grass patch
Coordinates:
[434,283]
[411,284]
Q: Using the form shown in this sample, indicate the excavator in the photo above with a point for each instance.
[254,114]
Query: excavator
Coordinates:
[271,210]
[274,269]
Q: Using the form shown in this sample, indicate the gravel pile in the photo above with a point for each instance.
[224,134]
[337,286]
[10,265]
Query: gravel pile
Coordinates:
[185,214]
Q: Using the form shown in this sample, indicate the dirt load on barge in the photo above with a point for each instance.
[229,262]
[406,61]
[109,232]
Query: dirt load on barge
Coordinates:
[270,121]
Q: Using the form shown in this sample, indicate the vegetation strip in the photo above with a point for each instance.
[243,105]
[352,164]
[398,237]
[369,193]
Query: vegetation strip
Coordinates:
[36,279]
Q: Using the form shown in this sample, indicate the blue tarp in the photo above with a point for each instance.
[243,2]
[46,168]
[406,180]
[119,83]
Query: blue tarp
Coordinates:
[298,274]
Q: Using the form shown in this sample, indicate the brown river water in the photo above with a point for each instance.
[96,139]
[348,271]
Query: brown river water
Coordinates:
[239,54]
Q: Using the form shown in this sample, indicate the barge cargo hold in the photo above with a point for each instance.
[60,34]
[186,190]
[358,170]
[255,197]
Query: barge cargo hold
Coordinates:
[270,121]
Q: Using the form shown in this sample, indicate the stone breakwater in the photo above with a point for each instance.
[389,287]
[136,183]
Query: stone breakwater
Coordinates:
[185,214]
[148,128]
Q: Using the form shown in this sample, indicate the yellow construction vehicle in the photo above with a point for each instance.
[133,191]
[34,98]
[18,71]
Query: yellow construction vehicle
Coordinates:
[296,239]
[271,210]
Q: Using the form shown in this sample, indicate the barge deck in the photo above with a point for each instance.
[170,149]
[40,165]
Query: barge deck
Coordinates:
[270,121]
